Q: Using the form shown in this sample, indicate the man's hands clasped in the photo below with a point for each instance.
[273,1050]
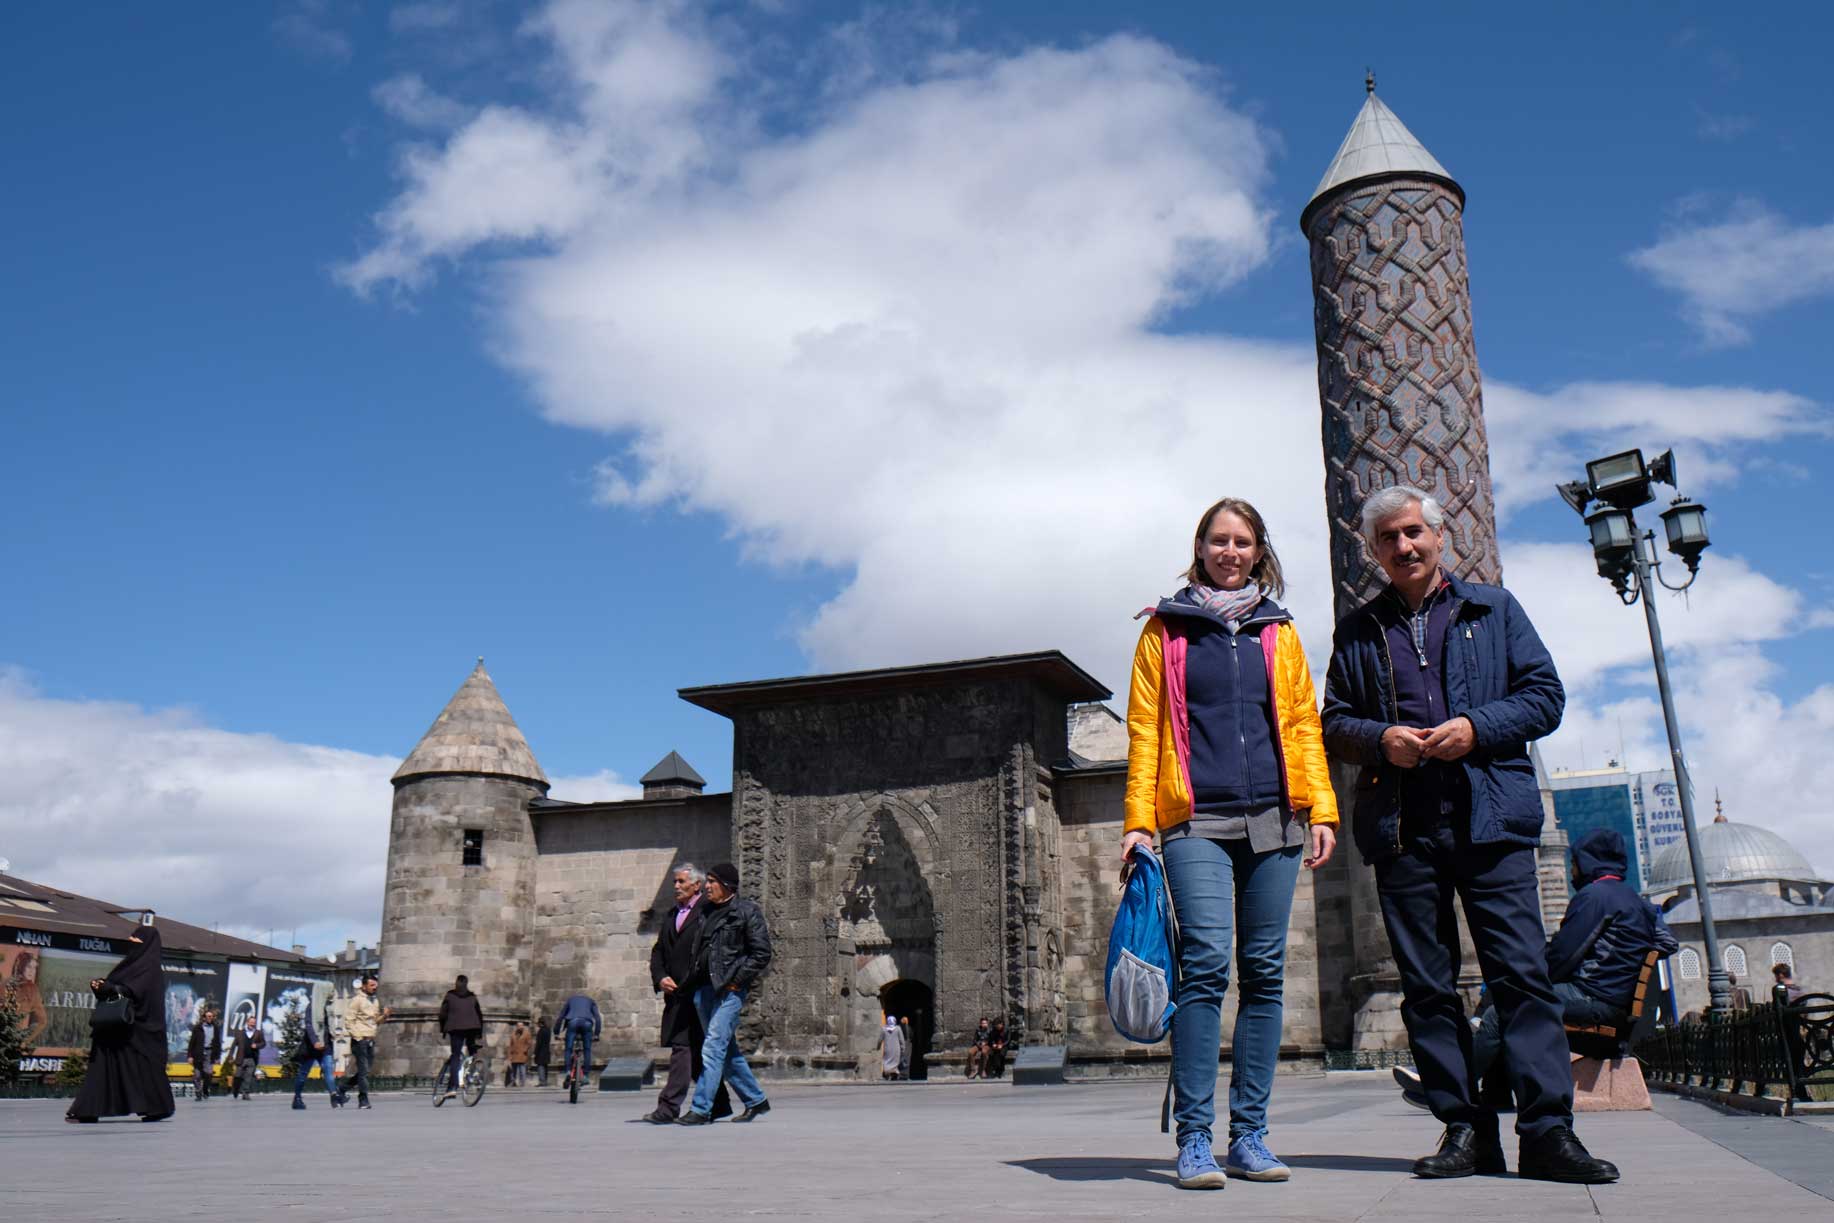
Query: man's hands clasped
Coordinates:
[1406,746]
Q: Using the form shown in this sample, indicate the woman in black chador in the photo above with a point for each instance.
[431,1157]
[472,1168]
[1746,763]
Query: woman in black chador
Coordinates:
[127,1066]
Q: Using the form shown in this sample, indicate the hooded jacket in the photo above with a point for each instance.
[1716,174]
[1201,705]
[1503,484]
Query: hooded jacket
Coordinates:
[1497,674]
[1160,786]
[459,1011]
[1609,929]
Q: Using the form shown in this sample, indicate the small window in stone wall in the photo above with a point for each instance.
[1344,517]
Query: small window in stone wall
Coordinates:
[1690,964]
[1735,960]
[474,847]
[1780,953]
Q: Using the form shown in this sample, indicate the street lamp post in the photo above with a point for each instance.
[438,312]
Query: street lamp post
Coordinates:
[1627,558]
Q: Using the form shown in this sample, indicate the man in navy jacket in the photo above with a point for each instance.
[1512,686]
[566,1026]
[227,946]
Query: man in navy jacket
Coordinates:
[1436,688]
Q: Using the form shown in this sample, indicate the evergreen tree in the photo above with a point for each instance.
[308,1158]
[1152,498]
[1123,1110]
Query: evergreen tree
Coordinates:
[71,1076]
[292,1031]
[13,1044]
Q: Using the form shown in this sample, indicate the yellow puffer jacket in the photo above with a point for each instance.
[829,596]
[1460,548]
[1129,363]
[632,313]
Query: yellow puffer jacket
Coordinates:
[1158,730]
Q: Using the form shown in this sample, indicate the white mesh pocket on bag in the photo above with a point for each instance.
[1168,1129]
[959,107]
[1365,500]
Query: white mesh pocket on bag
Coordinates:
[1137,996]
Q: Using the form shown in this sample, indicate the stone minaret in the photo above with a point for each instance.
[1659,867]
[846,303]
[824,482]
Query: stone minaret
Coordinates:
[1397,363]
[1402,403]
[461,874]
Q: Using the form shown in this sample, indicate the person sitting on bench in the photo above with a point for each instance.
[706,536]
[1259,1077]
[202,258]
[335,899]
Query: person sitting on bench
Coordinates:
[1595,958]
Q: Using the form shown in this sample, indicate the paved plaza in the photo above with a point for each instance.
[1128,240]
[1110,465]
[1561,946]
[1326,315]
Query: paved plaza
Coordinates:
[894,1152]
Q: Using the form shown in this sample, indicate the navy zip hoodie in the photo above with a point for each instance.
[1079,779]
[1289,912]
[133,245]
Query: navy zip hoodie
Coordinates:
[1235,765]
[1608,929]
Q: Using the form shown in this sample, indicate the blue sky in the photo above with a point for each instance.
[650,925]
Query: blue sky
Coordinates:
[635,349]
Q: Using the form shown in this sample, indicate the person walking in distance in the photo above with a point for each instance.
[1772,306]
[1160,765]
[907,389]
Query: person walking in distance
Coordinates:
[731,951]
[544,1048]
[1226,766]
[461,1022]
[891,1048]
[314,1049]
[245,1055]
[671,965]
[579,1019]
[1437,687]
[364,1016]
[206,1049]
[516,1062]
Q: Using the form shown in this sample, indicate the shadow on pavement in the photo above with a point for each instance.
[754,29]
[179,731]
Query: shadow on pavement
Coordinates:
[1098,1168]
[1350,1163]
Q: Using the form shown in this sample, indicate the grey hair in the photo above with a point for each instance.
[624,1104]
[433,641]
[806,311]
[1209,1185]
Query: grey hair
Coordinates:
[692,871]
[1387,502]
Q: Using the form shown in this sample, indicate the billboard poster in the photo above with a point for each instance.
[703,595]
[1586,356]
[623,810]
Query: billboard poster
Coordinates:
[289,991]
[1658,809]
[190,986]
[51,986]
[242,997]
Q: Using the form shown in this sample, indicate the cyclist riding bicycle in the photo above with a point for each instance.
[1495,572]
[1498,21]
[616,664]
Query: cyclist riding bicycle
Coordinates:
[579,1019]
[461,1021]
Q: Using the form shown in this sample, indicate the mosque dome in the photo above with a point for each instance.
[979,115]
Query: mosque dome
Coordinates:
[1731,853]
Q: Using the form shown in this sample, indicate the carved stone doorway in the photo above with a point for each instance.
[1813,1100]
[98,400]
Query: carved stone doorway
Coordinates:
[913,1000]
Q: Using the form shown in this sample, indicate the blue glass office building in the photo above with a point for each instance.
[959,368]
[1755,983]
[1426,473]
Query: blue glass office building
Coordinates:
[1599,798]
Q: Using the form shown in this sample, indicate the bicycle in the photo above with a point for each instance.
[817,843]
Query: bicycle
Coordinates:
[473,1077]
[576,1070]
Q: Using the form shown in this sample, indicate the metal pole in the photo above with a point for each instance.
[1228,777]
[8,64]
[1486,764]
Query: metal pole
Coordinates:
[1719,988]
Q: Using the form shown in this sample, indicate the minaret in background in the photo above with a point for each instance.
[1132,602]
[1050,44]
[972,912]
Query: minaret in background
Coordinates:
[1402,403]
[1397,364]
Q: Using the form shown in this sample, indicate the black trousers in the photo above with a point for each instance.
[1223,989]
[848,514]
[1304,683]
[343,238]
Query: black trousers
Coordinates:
[684,1072]
[362,1057]
[1502,901]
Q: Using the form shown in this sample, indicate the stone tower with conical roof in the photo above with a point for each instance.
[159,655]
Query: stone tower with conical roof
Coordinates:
[460,892]
[1397,363]
[1402,403]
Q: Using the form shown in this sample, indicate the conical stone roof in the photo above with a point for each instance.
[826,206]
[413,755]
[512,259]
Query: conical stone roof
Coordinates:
[474,733]
[1378,145]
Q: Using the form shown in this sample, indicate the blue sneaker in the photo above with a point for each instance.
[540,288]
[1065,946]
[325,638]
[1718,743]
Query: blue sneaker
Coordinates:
[1250,1159]
[1197,1166]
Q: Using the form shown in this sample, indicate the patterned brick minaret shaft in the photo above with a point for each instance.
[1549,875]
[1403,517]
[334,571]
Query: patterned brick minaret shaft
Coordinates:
[1398,380]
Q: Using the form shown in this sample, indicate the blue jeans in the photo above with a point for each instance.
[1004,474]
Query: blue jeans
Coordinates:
[323,1062]
[1228,896]
[581,1032]
[719,1052]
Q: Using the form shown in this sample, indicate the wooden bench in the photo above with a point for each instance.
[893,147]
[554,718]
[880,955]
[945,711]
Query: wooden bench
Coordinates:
[1606,1078]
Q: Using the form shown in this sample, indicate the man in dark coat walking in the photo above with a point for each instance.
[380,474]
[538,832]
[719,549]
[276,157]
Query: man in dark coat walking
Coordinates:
[206,1049]
[671,964]
[1437,687]
[544,1047]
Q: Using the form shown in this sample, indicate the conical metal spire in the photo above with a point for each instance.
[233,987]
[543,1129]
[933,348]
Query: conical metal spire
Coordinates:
[474,733]
[1378,145]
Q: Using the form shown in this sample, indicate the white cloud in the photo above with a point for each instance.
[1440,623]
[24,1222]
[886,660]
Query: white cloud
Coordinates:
[252,834]
[308,27]
[1751,263]
[1539,439]
[408,99]
[911,335]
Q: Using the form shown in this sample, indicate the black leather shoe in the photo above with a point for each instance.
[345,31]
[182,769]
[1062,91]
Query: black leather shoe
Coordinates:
[659,1118]
[754,1112]
[1558,1156]
[1456,1156]
[693,1118]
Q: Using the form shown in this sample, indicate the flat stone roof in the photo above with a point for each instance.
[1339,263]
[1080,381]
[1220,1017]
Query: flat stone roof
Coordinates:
[1049,669]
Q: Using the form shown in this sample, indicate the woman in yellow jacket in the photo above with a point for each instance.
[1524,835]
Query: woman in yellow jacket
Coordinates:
[1226,765]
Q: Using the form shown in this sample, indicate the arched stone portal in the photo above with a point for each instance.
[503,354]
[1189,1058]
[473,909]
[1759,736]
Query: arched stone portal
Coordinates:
[886,924]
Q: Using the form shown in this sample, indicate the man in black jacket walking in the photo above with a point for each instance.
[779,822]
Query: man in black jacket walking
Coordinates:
[206,1049]
[732,949]
[671,967]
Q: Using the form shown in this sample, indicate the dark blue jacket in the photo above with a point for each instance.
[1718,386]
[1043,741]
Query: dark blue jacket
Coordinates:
[1609,929]
[1498,674]
[1235,764]
[578,1011]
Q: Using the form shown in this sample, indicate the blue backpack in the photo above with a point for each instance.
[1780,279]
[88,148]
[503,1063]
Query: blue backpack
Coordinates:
[1141,983]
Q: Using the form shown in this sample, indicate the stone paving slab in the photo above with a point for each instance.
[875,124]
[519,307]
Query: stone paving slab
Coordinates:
[892,1152]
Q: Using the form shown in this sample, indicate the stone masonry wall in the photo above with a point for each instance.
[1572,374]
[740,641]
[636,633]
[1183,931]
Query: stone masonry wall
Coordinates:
[602,890]
[441,918]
